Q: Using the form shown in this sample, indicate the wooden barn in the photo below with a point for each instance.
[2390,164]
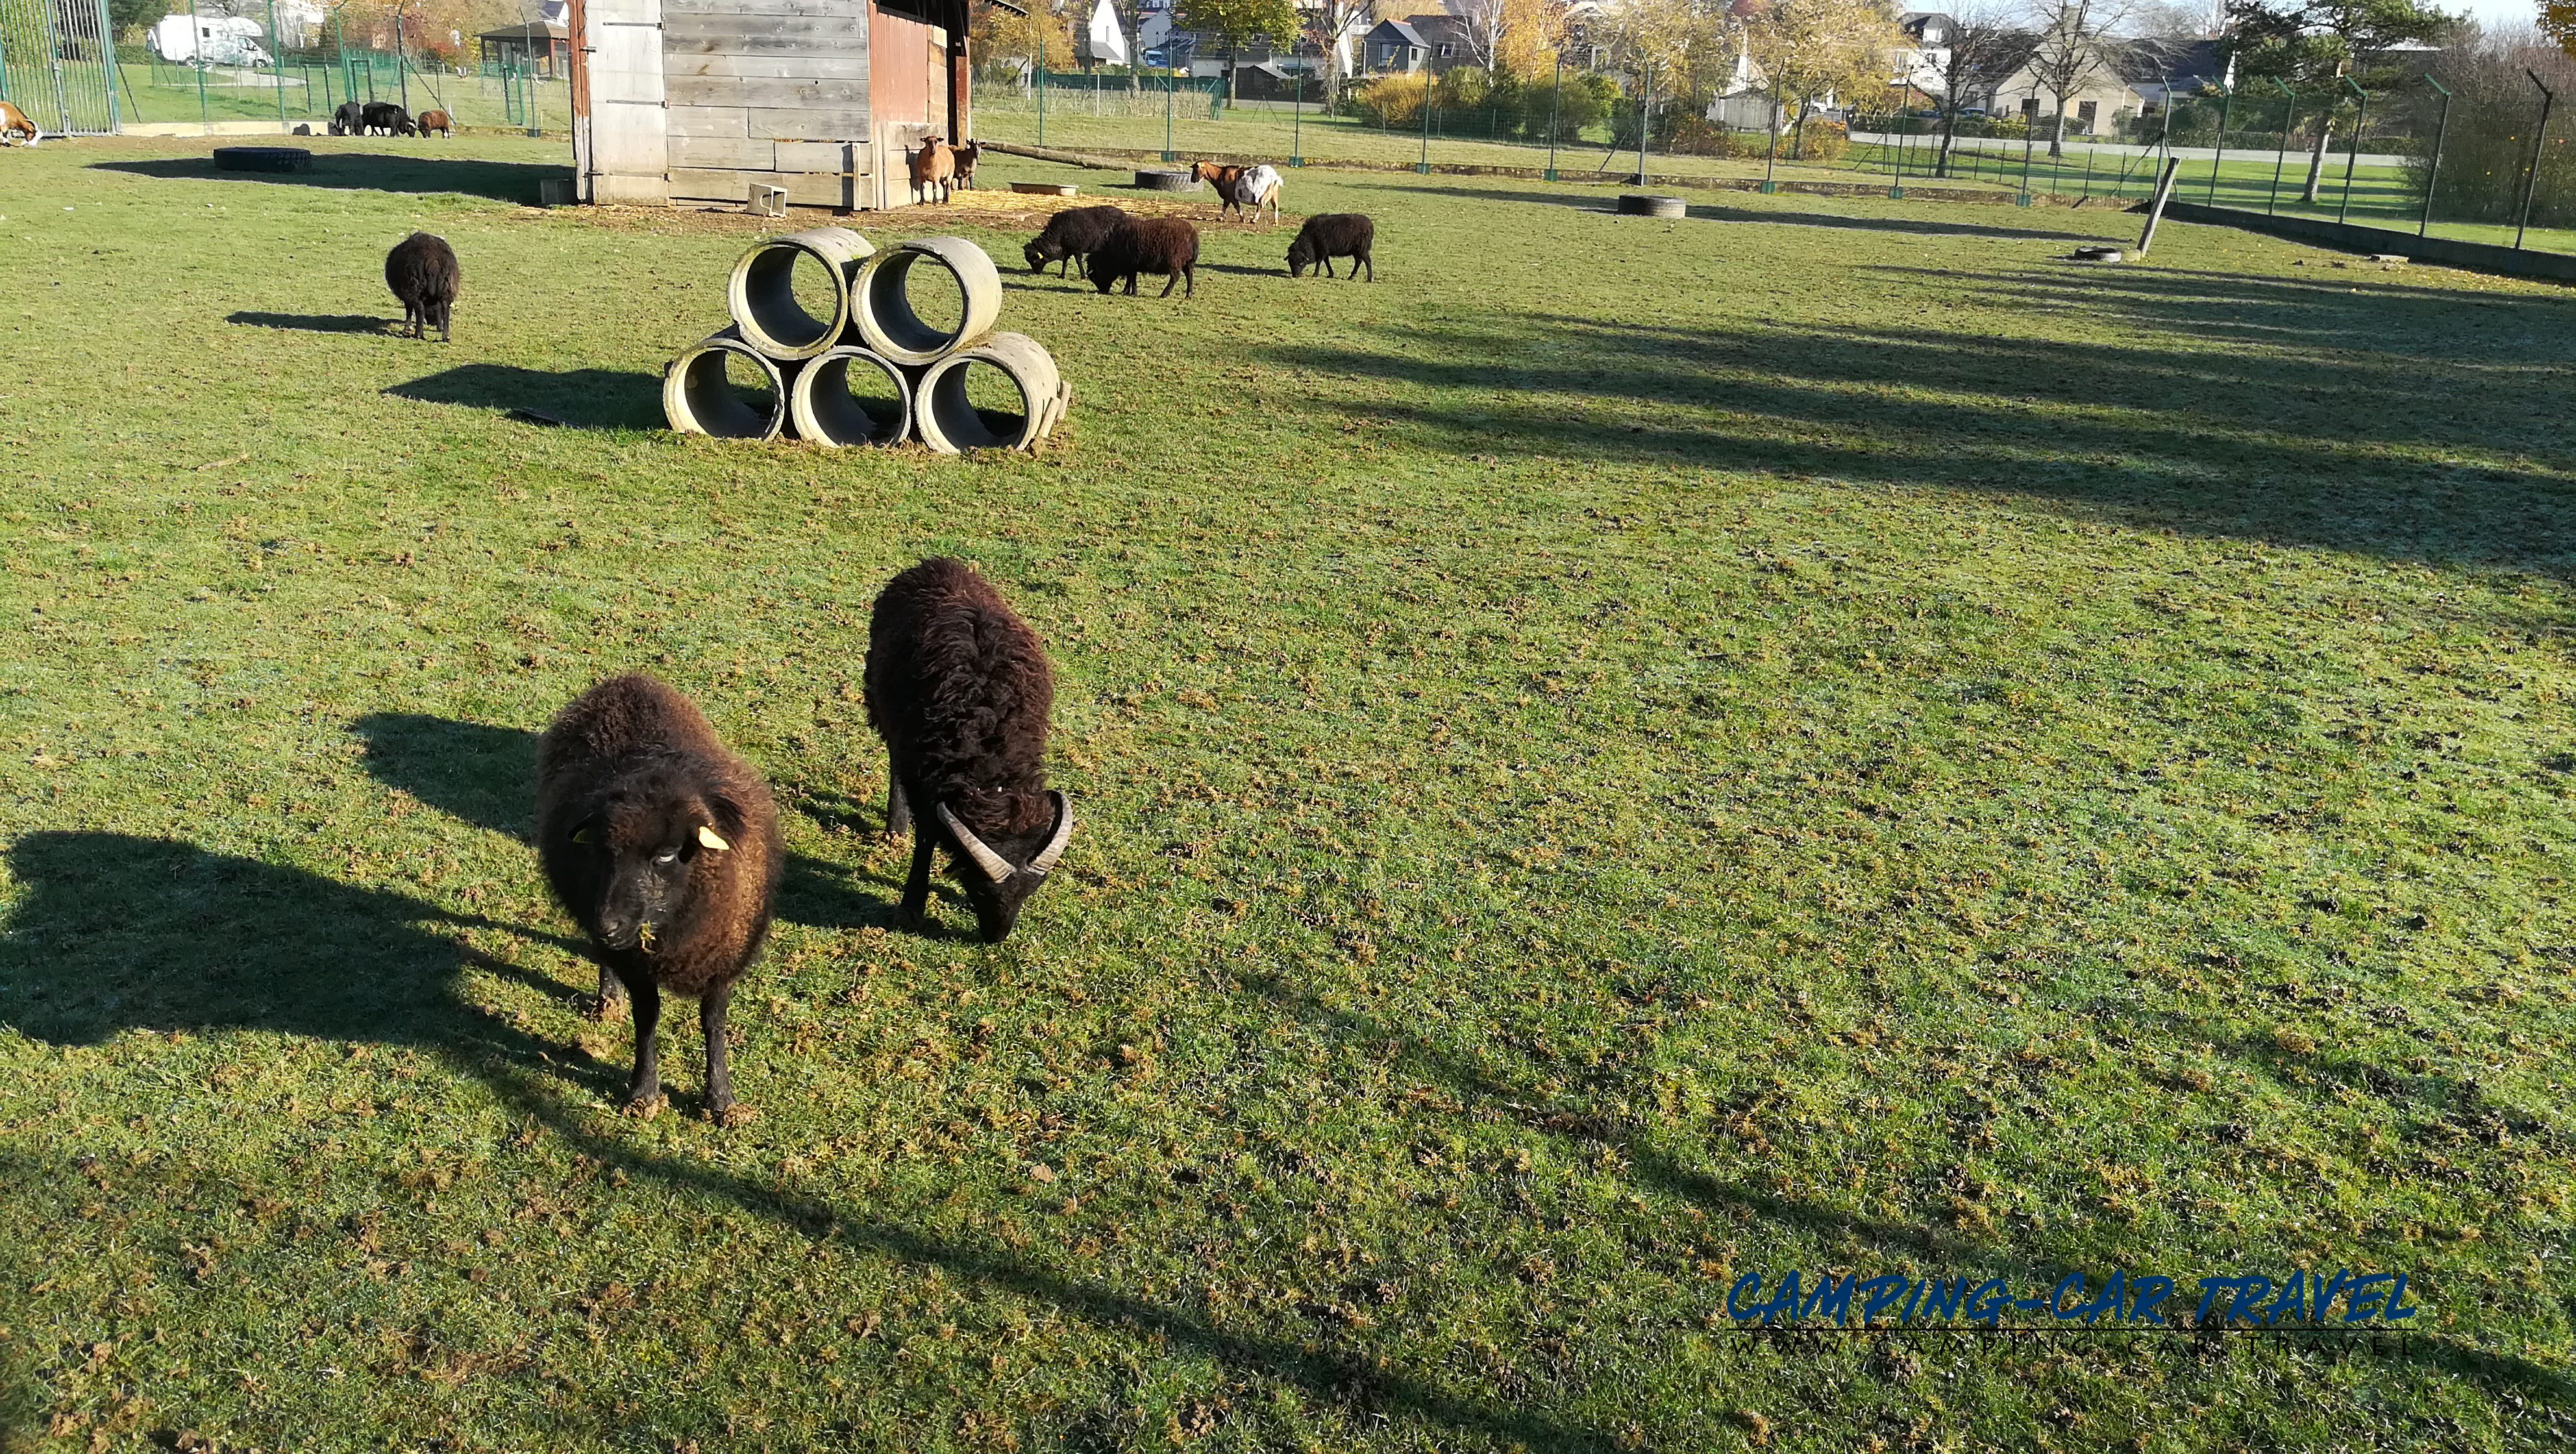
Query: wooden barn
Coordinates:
[700,101]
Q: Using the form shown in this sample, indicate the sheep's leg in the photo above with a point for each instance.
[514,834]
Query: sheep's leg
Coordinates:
[645,1086]
[445,317]
[1192,274]
[916,887]
[711,1020]
[1328,265]
[1172,282]
[898,807]
[611,990]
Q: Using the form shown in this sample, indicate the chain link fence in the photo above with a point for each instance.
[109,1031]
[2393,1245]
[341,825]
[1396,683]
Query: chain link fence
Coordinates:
[57,65]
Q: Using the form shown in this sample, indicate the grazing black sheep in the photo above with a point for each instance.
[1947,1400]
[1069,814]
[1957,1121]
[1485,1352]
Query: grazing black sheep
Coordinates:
[349,119]
[665,847]
[1166,245]
[1069,238]
[960,689]
[423,274]
[1329,235]
[388,118]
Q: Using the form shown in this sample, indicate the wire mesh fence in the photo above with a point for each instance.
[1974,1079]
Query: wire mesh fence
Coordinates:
[57,64]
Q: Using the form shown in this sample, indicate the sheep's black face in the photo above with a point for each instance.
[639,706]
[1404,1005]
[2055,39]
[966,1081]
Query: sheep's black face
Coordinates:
[1300,258]
[637,853]
[1028,857]
[1038,255]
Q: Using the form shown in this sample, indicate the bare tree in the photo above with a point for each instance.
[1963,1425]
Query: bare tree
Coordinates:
[1985,47]
[1327,21]
[2072,47]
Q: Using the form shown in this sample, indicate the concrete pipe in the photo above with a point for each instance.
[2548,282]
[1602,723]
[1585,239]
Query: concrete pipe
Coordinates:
[951,424]
[883,312]
[851,396]
[762,292]
[1638,204]
[698,399]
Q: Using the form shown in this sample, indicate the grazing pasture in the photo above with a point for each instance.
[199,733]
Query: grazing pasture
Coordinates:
[1628,754]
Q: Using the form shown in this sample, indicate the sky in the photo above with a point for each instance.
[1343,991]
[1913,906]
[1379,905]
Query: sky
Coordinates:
[2495,12]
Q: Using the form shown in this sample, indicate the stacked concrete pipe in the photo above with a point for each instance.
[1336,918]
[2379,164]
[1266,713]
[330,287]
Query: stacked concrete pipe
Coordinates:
[875,373]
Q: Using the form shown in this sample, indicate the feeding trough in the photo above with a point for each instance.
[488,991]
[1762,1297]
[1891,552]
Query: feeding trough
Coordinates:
[263,159]
[2098,254]
[1044,189]
[1159,180]
[1640,204]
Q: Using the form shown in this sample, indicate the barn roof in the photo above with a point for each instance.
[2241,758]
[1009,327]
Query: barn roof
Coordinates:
[532,32]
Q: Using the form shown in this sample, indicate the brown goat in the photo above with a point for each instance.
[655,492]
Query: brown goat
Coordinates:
[664,846]
[935,165]
[1223,179]
[967,156]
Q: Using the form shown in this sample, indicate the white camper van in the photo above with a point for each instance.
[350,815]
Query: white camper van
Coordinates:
[209,40]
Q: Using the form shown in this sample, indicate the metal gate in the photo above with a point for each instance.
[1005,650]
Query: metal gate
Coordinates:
[58,64]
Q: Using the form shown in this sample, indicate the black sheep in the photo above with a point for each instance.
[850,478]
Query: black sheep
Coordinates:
[1166,245]
[423,274]
[960,689]
[387,117]
[1069,238]
[1329,235]
[665,847]
[349,119]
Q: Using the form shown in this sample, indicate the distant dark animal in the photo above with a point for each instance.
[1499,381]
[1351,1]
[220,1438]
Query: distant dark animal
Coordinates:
[438,121]
[349,118]
[965,158]
[1167,245]
[387,118]
[960,689]
[664,846]
[422,272]
[934,165]
[1069,238]
[1329,235]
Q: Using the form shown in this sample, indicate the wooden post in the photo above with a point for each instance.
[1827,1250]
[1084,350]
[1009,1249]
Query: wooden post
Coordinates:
[2156,206]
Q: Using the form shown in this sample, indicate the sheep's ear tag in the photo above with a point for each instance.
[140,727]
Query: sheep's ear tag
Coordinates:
[712,839]
[583,835]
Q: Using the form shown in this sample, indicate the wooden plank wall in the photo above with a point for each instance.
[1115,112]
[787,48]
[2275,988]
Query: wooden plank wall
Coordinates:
[623,158]
[771,92]
[908,54]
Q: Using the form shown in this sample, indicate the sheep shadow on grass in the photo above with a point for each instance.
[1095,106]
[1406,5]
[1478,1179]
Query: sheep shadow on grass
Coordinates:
[578,398]
[314,322]
[487,776]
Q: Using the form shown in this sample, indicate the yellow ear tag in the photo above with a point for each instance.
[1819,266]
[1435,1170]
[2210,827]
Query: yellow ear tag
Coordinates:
[709,837]
[581,835]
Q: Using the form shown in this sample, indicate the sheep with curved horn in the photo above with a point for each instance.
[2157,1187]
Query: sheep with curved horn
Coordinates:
[960,689]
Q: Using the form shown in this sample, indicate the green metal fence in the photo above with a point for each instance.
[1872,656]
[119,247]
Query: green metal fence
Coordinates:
[57,65]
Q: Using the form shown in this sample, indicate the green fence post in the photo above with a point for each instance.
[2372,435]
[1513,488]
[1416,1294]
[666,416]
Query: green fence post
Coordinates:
[2218,157]
[1423,167]
[2433,174]
[277,68]
[1171,91]
[2360,115]
[1555,111]
[1771,158]
[2029,128]
[1041,88]
[2289,114]
[1297,122]
[2540,133]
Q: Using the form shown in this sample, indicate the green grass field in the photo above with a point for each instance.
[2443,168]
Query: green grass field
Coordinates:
[1623,756]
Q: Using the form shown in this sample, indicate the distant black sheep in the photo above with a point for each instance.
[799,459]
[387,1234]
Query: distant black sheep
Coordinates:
[1166,245]
[388,118]
[665,847]
[349,119]
[960,689]
[422,272]
[1070,237]
[1329,235]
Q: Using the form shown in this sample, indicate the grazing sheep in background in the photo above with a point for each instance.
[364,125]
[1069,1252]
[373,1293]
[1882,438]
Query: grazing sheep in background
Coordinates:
[959,688]
[422,272]
[1069,238]
[1166,245]
[1256,189]
[933,166]
[966,157]
[349,118]
[388,118]
[438,121]
[14,122]
[664,846]
[1329,235]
